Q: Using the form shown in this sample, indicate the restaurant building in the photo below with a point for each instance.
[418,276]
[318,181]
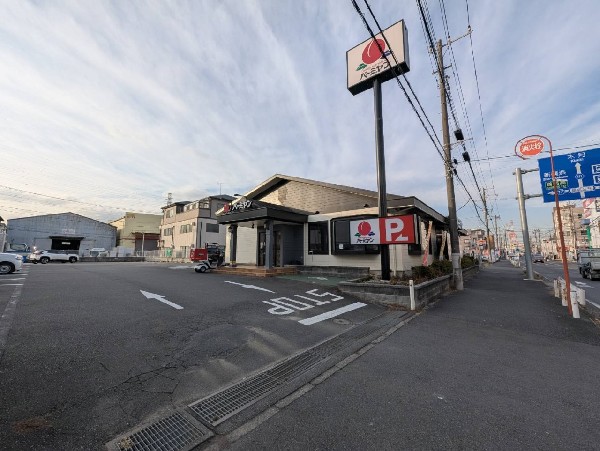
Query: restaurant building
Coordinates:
[295,221]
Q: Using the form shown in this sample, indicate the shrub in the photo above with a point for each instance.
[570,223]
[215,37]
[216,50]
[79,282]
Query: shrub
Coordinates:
[443,266]
[467,261]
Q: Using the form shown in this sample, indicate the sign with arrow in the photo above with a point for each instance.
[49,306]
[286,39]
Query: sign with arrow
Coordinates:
[577,175]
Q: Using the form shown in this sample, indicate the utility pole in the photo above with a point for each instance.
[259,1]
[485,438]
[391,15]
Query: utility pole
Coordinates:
[525,229]
[456,268]
[497,237]
[487,226]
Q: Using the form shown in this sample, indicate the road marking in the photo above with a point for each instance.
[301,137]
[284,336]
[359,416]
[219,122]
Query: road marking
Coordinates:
[331,314]
[318,278]
[253,287]
[180,267]
[3,279]
[7,318]
[9,284]
[583,284]
[162,299]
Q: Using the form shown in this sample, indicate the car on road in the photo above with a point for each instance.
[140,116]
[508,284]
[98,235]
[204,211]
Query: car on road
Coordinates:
[537,258]
[589,263]
[44,257]
[10,262]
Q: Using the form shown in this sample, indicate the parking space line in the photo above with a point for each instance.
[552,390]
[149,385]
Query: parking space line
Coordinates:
[7,318]
[331,314]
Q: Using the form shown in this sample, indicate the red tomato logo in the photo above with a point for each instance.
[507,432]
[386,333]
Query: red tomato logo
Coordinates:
[364,228]
[371,52]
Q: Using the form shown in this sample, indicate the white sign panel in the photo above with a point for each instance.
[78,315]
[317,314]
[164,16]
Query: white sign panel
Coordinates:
[366,61]
[388,230]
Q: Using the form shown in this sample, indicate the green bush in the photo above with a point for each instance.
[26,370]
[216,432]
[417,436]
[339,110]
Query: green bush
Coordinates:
[467,261]
[442,266]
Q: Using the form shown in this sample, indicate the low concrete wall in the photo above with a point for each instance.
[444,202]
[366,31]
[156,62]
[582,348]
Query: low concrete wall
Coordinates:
[112,259]
[399,295]
[338,271]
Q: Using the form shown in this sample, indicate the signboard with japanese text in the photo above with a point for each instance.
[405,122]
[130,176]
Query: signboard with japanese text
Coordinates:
[388,230]
[577,175]
[374,58]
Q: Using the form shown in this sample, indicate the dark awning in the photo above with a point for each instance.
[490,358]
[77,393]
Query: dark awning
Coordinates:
[62,237]
[252,210]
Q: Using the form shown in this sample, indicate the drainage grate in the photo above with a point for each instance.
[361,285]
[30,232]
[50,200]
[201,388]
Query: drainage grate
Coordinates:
[220,406]
[169,434]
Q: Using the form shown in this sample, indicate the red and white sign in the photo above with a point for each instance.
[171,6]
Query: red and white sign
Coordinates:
[530,146]
[388,230]
[373,58]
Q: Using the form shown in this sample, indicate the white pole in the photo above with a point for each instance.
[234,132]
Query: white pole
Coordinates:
[411,286]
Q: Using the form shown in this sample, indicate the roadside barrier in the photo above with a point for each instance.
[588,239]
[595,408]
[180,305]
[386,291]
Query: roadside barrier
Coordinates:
[577,295]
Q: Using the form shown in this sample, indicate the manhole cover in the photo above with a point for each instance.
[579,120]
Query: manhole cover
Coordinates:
[342,321]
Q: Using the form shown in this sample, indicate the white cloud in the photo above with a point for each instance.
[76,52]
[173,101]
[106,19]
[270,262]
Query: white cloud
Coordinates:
[117,104]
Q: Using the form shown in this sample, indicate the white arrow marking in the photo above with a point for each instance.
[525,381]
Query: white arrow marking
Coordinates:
[318,278]
[162,299]
[254,287]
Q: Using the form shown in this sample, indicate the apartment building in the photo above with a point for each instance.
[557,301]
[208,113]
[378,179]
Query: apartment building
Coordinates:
[187,225]
[574,231]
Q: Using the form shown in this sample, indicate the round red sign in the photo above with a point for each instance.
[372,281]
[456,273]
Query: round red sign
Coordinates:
[529,146]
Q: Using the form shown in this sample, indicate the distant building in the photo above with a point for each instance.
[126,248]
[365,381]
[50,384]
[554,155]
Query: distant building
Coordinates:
[62,231]
[137,232]
[574,232]
[188,225]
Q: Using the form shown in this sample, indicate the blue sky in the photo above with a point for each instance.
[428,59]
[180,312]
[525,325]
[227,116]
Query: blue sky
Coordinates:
[109,106]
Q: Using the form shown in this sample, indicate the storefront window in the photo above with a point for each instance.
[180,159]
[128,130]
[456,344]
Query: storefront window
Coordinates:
[318,238]
[341,240]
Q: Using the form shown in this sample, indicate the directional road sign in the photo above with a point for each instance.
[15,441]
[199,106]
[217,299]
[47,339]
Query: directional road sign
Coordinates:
[577,175]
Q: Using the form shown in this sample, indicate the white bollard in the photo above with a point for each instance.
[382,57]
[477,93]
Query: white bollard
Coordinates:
[556,288]
[411,287]
[575,306]
[581,297]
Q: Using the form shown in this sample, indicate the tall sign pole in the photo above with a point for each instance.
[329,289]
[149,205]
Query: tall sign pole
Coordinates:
[526,148]
[381,186]
[381,58]
[456,267]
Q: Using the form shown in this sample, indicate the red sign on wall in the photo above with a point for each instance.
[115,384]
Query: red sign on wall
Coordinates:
[388,230]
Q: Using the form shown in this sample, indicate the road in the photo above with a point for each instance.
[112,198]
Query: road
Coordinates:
[553,269]
[89,351]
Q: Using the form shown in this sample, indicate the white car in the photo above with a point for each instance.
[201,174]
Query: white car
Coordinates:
[53,256]
[10,262]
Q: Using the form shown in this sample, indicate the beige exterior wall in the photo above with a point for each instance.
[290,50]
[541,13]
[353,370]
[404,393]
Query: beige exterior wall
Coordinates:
[247,241]
[314,198]
[131,223]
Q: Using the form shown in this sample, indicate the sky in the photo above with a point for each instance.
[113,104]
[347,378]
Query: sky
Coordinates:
[108,106]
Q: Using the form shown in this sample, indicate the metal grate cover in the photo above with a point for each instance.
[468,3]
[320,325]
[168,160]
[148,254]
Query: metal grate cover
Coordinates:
[169,434]
[220,406]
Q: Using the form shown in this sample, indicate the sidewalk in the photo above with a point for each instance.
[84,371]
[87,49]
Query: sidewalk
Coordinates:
[497,366]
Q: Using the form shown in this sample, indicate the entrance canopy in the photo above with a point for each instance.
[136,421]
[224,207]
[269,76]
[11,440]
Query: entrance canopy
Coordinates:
[256,212]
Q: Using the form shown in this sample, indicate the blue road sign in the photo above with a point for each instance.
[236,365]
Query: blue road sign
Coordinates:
[577,175]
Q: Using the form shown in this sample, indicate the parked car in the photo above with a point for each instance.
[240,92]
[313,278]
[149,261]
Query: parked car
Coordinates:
[537,258]
[10,262]
[589,263]
[44,257]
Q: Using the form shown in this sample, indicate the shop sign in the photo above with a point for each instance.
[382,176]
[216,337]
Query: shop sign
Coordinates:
[374,58]
[240,206]
[388,230]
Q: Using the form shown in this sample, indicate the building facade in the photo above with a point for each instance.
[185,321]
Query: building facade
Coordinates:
[137,233]
[63,231]
[294,221]
[188,225]
[575,233]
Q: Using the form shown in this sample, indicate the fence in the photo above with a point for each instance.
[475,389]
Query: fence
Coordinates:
[162,255]
[577,295]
